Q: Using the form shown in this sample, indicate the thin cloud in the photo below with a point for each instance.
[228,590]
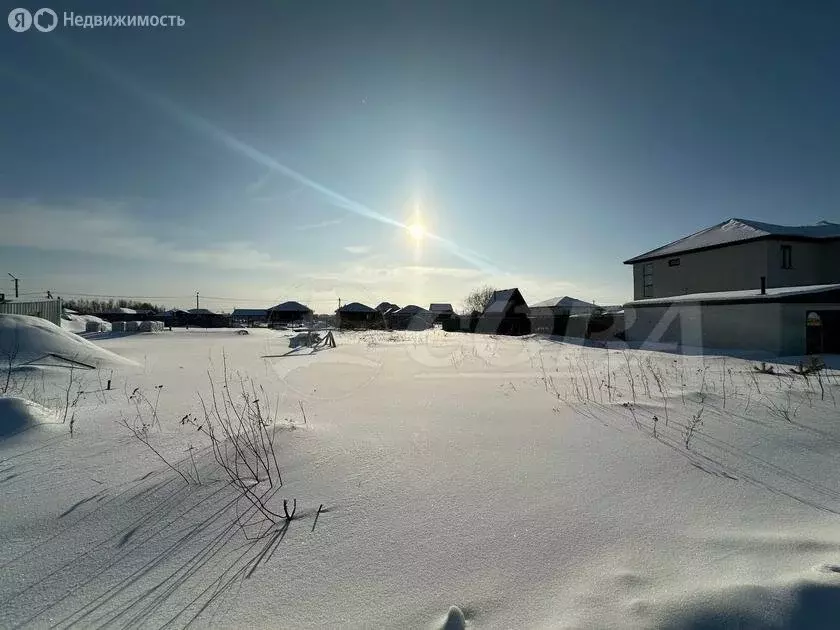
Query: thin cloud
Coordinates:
[357,249]
[316,226]
[110,230]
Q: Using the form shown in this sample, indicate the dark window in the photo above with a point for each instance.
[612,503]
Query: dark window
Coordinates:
[674,262]
[787,257]
[647,274]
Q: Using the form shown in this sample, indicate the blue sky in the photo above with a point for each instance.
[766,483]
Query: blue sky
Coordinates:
[273,150]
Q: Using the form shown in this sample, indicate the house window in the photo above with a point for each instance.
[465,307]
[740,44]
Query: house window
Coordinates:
[787,257]
[647,275]
[674,262]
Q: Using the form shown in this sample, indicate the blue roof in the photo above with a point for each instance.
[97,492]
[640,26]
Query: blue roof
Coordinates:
[249,312]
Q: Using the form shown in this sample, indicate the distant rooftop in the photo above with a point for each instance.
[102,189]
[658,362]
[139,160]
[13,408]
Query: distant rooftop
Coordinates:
[502,302]
[411,309]
[441,308]
[249,312]
[291,306]
[564,302]
[740,231]
[356,307]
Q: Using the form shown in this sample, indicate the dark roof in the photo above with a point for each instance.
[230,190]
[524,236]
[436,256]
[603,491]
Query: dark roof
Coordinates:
[355,307]
[412,309]
[292,307]
[386,307]
[735,231]
[503,302]
[441,308]
[200,311]
[249,312]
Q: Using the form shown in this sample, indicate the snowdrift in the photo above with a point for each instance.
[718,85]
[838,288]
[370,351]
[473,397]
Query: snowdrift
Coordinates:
[75,323]
[18,415]
[29,340]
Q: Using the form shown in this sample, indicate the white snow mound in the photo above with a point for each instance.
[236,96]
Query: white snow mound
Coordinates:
[19,414]
[25,339]
[75,323]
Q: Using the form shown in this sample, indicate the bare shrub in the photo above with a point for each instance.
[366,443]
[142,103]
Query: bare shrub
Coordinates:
[692,426]
[139,429]
[658,379]
[243,446]
[630,378]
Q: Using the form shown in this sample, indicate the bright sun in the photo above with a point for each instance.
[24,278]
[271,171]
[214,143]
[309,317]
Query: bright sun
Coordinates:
[416,231]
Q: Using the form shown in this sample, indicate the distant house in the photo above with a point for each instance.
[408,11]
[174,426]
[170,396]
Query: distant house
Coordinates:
[412,317]
[356,315]
[386,311]
[442,312]
[742,285]
[175,317]
[205,318]
[289,312]
[551,316]
[249,316]
[505,314]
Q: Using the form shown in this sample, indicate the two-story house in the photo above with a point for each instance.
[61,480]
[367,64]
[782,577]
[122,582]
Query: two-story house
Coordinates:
[741,284]
[735,255]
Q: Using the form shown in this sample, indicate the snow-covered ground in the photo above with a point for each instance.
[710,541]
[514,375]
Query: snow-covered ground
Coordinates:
[532,483]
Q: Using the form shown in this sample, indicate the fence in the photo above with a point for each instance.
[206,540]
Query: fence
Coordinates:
[45,309]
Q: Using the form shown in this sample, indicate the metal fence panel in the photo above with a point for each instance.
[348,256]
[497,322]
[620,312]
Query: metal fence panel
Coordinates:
[45,309]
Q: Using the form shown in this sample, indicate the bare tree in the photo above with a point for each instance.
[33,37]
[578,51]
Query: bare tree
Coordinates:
[478,299]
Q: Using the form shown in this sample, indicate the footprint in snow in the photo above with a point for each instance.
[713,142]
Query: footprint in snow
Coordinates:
[454,619]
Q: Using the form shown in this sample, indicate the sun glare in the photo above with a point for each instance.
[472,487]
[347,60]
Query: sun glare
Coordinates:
[416,231]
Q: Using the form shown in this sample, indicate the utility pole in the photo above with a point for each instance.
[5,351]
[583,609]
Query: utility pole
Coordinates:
[16,284]
[339,303]
[196,300]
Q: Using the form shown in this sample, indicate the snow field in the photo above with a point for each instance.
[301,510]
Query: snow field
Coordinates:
[524,480]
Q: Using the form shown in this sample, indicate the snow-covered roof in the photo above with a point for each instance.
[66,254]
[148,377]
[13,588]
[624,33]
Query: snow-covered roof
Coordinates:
[739,231]
[441,308]
[291,306]
[500,302]
[356,307]
[747,294]
[564,302]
